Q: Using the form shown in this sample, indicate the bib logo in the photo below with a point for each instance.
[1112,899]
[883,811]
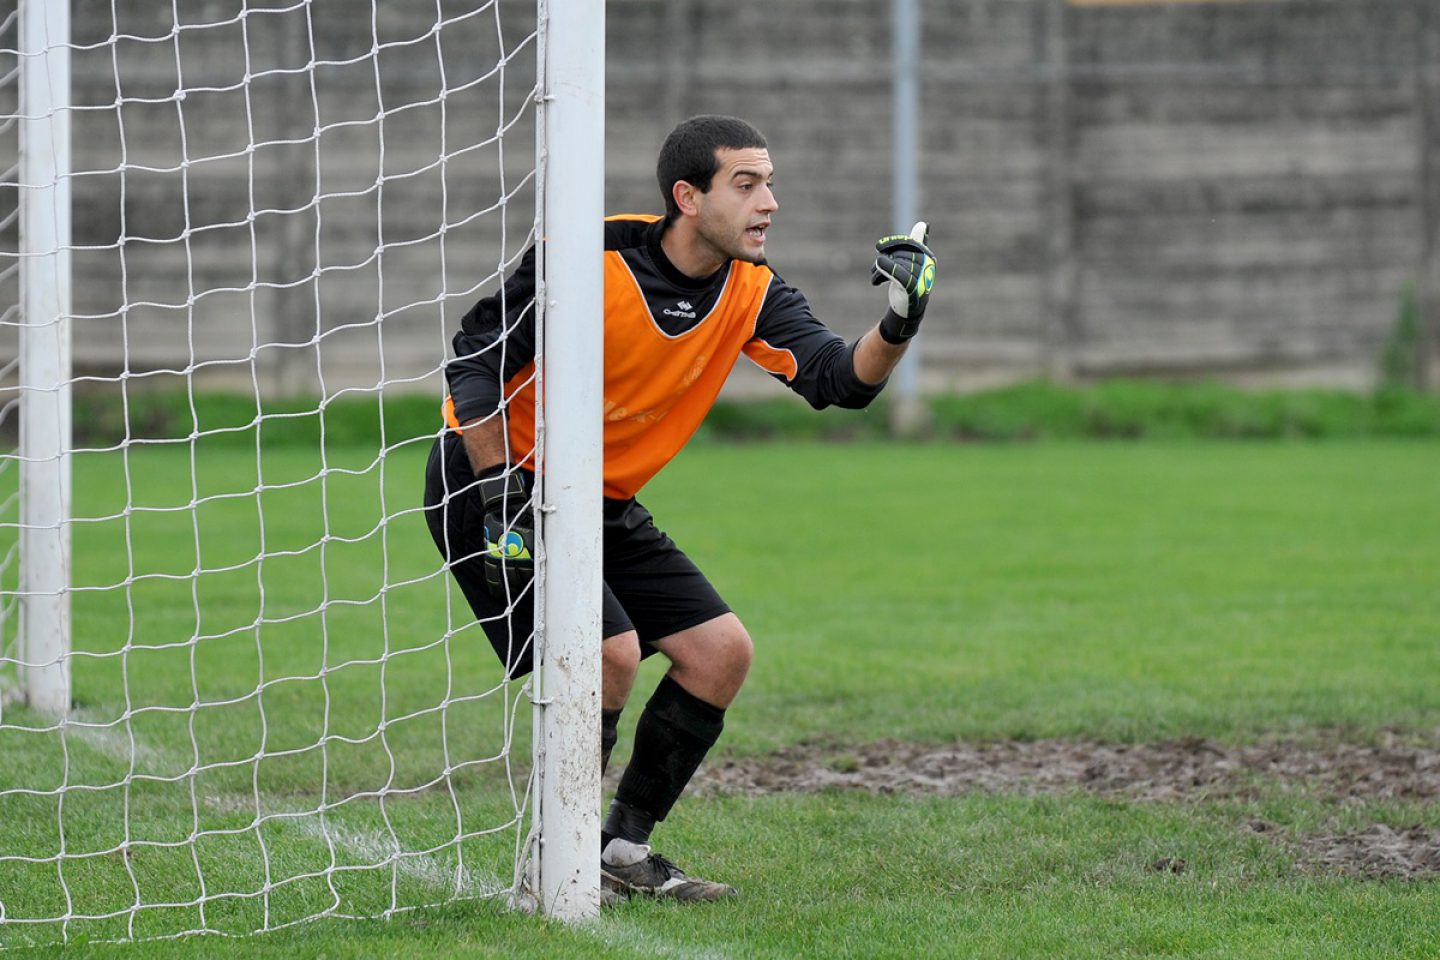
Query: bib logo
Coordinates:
[682,309]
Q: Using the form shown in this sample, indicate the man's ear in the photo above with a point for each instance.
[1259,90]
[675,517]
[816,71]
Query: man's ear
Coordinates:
[685,196]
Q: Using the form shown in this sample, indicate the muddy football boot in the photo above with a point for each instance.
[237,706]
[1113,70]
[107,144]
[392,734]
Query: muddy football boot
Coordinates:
[631,868]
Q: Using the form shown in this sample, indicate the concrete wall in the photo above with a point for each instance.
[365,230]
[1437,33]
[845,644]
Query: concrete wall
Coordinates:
[1238,189]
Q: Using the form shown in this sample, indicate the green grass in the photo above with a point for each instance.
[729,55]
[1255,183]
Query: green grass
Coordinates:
[1115,591]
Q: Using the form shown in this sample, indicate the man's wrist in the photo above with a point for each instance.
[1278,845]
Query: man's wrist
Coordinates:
[499,483]
[897,330]
[874,359]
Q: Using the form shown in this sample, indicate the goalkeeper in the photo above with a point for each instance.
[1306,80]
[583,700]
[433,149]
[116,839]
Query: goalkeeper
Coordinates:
[685,295]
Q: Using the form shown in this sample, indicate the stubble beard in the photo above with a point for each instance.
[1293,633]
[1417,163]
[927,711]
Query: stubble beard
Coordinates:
[731,245]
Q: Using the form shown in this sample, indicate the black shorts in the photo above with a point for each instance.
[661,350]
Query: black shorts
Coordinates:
[650,586]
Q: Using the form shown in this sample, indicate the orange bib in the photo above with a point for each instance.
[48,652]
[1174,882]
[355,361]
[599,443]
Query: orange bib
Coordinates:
[658,388]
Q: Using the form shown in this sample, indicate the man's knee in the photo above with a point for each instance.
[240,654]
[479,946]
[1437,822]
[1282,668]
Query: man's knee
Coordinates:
[736,650]
[619,662]
[711,660]
[620,654]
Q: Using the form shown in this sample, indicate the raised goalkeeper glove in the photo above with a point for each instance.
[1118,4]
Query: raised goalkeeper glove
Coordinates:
[509,532]
[909,267]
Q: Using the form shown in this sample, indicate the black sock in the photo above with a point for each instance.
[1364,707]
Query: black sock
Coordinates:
[626,822]
[609,721]
[673,735]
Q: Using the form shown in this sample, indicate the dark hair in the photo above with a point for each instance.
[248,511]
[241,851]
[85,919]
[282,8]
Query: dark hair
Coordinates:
[689,153]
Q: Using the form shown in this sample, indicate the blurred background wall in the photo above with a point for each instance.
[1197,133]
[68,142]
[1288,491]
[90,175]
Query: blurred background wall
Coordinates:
[1247,189]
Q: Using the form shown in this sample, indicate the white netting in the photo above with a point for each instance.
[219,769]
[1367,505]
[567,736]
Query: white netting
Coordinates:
[281,708]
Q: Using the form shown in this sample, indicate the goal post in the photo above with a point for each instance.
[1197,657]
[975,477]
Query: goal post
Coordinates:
[240,689]
[572,291]
[44,355]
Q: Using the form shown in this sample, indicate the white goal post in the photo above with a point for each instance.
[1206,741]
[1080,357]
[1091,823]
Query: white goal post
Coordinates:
[44,368]
[238,687]
[572,286]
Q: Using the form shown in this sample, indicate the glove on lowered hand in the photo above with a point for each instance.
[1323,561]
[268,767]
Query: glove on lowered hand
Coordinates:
[509,532]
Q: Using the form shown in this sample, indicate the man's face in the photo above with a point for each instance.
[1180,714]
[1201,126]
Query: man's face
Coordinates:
[735,213]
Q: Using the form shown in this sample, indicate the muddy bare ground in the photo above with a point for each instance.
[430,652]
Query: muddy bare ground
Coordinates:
[1181,770]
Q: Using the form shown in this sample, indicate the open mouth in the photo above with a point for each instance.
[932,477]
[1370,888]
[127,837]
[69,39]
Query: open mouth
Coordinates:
[757,233]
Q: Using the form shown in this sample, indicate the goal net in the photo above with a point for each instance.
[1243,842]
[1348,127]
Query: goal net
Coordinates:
[238,690]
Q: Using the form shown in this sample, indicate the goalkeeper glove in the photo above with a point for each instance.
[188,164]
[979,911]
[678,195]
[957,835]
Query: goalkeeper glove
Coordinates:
[909,267]
[509,532]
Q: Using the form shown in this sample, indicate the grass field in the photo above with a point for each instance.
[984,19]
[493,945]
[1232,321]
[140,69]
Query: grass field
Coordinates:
[1087,592]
